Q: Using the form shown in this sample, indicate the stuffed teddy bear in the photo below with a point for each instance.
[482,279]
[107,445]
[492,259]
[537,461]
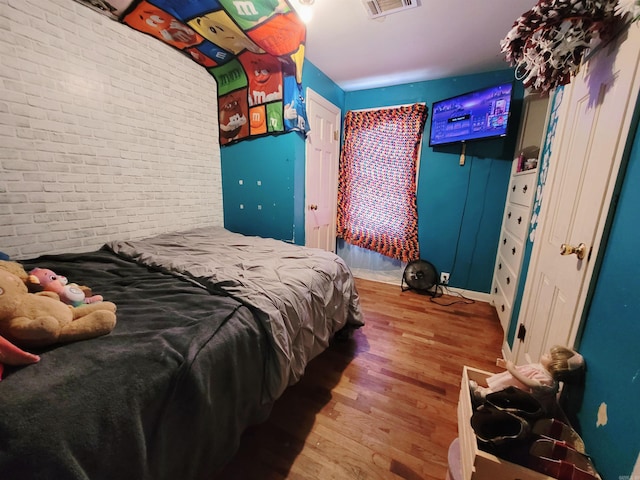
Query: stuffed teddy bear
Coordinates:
[69,293]
[9,353]
[29,320]
[16,268]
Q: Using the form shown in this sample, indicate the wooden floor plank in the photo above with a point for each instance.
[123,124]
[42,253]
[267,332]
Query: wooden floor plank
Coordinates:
[381,405]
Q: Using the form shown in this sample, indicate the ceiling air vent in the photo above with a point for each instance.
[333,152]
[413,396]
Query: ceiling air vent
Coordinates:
[380,8]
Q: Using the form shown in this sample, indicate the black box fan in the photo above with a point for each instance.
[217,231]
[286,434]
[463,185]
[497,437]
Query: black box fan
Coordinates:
[421,276]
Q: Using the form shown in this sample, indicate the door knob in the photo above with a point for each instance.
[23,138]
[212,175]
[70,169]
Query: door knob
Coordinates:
[580,250]
[313,207]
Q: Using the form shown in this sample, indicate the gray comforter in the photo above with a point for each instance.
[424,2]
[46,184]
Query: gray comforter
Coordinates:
[303,296]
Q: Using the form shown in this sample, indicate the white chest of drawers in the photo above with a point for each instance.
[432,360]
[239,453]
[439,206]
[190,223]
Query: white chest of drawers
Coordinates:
[518,207]
[513,236]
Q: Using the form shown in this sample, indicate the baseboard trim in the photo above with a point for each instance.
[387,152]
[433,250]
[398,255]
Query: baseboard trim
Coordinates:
[472,294]
[446,290]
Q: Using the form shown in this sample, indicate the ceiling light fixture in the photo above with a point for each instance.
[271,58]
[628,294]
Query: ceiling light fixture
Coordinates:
[304,11]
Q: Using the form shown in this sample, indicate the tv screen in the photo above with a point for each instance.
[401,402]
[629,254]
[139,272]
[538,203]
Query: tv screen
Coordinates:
[475,115]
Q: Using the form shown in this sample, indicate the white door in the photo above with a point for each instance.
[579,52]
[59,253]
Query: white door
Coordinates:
[595,118]
[321,185]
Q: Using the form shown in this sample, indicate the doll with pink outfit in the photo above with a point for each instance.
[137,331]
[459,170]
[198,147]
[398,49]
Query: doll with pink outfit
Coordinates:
[539,379]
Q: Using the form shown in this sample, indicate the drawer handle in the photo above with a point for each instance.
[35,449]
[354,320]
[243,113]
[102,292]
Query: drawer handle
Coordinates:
[513,189]
[524,189]
[509,215]
[513,251]
[502,307]
[519,220]
[504,242]
[499,266]
[508,280]
[495,289]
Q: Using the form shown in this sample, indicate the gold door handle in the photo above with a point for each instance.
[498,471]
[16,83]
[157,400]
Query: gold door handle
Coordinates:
[580,250]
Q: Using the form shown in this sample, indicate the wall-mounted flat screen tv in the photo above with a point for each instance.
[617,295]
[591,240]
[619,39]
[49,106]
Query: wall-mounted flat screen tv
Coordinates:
[476,115]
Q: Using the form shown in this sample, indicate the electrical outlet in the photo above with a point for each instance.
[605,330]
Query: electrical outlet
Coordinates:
[444,278]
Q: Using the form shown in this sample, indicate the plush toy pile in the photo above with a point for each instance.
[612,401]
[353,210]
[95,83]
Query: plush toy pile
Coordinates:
[45,280]
[29,320]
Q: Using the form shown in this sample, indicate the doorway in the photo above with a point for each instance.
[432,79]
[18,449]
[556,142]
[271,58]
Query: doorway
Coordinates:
[321,177]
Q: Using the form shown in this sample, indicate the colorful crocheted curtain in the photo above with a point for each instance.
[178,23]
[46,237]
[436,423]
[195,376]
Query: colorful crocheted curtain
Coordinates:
[377,186]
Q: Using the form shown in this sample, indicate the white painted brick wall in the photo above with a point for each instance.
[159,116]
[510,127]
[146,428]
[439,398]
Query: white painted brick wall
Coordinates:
[105,133]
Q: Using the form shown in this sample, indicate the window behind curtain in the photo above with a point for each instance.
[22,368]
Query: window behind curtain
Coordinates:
[377,185]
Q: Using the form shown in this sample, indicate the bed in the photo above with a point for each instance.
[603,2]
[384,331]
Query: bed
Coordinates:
[212,327]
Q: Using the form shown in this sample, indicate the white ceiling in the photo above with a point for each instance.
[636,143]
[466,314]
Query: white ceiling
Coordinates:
[438,39]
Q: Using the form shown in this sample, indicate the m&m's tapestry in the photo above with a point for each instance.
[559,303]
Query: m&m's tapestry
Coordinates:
[253,48]
[377,180]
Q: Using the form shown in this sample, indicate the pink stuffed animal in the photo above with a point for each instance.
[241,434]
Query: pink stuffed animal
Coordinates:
[69,293]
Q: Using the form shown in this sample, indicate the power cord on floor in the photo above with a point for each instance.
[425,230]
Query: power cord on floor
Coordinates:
[440,292]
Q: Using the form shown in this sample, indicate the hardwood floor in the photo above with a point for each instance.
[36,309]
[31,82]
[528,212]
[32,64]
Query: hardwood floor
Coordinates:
[381,405]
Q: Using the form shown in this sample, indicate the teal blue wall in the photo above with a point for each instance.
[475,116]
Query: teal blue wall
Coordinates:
[268,209]
[459,207]
[611,337]
[276,207]
[318,81]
